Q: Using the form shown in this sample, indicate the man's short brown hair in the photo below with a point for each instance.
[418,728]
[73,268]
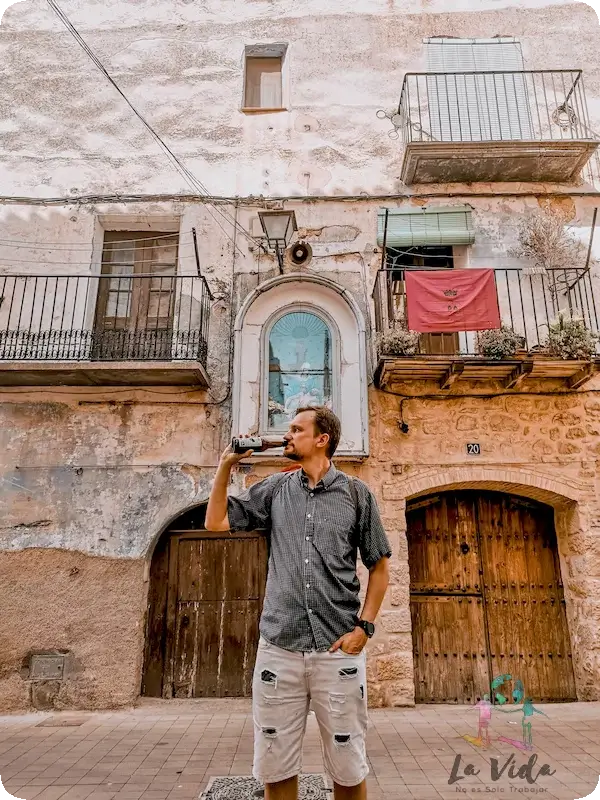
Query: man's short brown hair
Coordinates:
[326,422]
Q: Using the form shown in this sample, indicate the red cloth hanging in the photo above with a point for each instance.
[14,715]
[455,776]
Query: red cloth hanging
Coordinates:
[444,301]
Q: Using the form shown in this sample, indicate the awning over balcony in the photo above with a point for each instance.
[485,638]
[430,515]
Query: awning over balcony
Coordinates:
[430,226]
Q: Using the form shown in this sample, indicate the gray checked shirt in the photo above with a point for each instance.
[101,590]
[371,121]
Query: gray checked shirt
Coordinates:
[312,594]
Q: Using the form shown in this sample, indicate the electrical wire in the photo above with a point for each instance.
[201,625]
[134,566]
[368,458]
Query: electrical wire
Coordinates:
[252,200]
[190,178]
[399,267]
[68,262]
[35,245]
[179,166]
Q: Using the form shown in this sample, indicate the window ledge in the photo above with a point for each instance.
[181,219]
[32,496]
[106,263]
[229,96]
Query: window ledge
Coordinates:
[251,110]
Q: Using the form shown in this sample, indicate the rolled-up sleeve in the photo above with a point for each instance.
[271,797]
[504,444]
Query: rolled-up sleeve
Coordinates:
[251,510]
[373,543]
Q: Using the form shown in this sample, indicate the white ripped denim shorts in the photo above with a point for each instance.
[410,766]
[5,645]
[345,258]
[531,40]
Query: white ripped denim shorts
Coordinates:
[284,685]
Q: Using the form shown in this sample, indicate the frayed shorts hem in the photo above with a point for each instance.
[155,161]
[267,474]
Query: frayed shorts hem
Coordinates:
[284,776]
[347,783]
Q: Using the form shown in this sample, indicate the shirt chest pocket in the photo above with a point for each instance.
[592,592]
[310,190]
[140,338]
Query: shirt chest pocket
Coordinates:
[333,536]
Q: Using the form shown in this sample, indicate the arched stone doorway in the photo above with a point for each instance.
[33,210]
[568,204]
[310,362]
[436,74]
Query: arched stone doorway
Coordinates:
[204,603]
[486,597]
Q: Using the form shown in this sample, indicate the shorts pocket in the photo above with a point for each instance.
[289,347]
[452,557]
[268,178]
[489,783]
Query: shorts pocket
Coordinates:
[348,655]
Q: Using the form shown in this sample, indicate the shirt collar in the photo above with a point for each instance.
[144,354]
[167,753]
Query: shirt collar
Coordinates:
[325,481]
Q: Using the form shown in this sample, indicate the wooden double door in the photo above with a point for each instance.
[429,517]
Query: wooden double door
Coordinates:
[486,598]
[206,596]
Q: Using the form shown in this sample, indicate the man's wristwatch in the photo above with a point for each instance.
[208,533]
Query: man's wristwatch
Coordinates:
[367,627]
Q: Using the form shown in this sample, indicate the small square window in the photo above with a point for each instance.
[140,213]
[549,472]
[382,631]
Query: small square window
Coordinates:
[264,77]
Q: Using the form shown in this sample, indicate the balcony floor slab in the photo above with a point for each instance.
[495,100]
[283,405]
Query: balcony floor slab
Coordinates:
[557,161]
[103,373]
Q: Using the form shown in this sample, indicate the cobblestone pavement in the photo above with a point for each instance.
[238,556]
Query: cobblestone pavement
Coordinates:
[168,750]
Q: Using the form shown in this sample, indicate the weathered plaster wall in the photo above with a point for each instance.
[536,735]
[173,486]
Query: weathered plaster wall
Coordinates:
[89,481]
[89,478]
[89,608]
[102,475]
[67,132]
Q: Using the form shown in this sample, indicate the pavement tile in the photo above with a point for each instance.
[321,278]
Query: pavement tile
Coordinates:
[168,751]
[28,792]
[52,793]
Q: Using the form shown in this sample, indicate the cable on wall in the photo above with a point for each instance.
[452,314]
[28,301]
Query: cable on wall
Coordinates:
[189,177]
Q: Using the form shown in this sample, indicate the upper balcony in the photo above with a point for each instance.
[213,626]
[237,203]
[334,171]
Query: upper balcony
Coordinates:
[108,329]
[528,304]
[466,127]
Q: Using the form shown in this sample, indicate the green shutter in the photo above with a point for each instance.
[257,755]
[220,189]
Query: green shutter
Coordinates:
[435,226]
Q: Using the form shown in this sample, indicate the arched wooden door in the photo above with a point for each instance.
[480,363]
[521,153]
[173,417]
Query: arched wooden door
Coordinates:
[205,599]
[486,598]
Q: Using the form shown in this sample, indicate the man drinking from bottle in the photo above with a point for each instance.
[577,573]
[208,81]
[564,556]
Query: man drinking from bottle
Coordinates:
[312,630]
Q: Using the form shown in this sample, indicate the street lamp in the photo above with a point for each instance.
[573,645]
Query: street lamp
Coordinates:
[278,227]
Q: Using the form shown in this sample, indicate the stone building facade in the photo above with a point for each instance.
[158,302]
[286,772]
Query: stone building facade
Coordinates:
[104,461]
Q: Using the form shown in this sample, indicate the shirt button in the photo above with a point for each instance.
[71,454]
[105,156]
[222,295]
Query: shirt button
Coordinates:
[308,538]
[310,610]
[308,516]
[306,560]
[312,494]
[308,585]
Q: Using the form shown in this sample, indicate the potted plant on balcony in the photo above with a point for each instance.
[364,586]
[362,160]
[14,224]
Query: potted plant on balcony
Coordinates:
[500,343]
[569,338]
[398,341]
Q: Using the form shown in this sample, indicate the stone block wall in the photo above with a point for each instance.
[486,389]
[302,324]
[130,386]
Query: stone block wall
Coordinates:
[542,445]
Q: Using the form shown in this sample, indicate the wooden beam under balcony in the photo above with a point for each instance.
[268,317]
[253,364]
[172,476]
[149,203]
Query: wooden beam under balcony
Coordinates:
[103,373]
[452,374]
[582,376]
[442,372]
[518,374]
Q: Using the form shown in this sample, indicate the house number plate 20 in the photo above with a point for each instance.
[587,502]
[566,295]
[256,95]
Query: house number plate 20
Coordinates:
[473,449]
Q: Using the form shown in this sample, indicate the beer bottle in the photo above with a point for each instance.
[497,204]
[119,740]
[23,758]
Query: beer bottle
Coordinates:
[256,443]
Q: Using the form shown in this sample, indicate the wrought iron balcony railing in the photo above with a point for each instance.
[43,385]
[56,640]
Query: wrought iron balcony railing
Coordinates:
[528,304]
[158,317]
[494,106]
[547,107]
